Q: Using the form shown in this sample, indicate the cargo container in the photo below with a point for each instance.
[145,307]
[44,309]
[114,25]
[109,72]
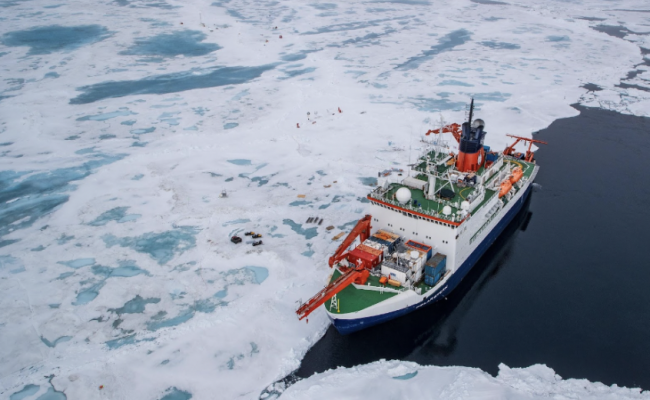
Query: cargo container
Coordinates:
[389,245]
[378,246]
[436,265]
[421,247]
[388,236]
[431,280]
[393,274]
[372,250]
[358,257]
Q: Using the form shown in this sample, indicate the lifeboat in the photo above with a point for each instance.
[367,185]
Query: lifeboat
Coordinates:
[517,173]
[505,188]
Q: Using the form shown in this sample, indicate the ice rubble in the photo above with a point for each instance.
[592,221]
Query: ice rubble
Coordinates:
[118,121]
[406,380]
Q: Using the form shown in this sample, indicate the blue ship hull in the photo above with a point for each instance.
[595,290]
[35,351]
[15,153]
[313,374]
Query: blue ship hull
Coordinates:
[346,326]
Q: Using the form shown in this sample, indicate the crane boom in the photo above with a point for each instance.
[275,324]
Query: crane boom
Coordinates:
[359,276]
[361,229]
[454,129]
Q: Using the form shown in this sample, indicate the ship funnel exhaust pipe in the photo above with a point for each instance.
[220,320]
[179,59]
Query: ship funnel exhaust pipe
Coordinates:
[471,155]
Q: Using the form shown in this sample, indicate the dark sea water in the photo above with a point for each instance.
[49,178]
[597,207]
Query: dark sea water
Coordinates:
[566,285]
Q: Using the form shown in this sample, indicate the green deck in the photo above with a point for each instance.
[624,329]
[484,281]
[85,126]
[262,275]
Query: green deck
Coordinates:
[352,299]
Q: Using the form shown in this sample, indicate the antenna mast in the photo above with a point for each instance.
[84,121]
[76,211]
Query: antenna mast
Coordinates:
[471,111]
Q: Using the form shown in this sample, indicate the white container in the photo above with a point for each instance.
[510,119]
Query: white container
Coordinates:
[393,274]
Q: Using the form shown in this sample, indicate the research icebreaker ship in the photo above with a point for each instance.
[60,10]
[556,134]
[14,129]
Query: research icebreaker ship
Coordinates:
[427,230]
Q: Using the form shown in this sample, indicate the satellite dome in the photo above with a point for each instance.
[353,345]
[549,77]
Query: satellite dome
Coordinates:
[446,210]
[464,205]
[478,122]
[403,195]
[415,255]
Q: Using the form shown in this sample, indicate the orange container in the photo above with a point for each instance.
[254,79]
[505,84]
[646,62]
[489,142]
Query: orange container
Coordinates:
[361,258]
[370,250]
[383,280]
[388,236]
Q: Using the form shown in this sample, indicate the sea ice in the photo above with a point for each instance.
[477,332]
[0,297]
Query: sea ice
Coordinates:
[80,193]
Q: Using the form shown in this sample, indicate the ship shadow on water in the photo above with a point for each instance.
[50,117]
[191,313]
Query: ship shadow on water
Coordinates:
[429,331]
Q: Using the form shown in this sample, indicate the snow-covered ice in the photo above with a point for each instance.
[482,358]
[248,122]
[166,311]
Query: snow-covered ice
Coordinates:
[406,380]
[122,122]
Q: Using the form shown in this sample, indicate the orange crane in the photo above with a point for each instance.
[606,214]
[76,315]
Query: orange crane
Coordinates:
[358,274]
[454,129]
[362,229]
[509,151]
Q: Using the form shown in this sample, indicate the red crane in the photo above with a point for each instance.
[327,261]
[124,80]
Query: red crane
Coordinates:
[509,151]
[454,129]
[362,229]
[358,274]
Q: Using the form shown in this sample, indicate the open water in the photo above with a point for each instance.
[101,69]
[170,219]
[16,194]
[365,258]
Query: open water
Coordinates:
[566,285]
